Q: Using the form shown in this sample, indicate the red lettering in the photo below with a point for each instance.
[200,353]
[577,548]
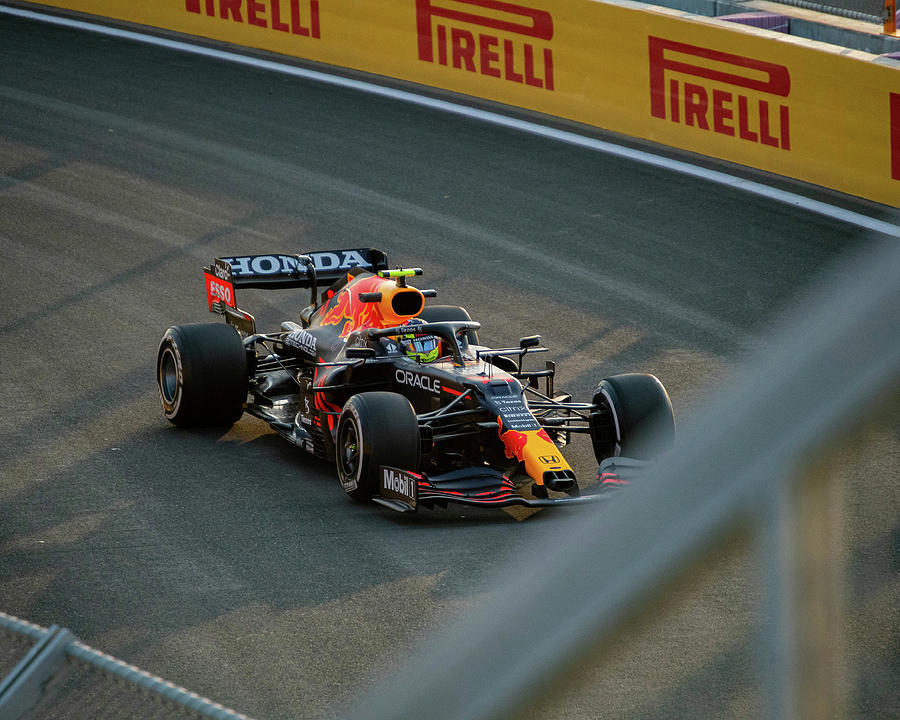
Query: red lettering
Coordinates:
[674,101]
[459,50]
[764,136]
[530,77]
[895,136]
[230,6]
[777,82]
[296,26]
[194,6]
[785,128]
[744,121]
[530,22]
[722,113]
[276,17]
[509,58]
[254,7]
[256,14]
[664,58]
[463,45]
[442,44]
[548,68]
[487,55]
[696,103]
[314,18]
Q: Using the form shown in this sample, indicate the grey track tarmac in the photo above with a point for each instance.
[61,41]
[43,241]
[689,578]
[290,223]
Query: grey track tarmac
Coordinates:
[232,563]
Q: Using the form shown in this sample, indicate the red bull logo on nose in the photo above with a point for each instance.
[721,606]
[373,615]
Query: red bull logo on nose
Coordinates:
[514,442]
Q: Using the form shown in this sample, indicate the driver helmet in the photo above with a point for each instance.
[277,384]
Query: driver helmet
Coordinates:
[418,346]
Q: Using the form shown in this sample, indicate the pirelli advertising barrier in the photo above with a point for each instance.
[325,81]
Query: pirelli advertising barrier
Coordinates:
[770,101]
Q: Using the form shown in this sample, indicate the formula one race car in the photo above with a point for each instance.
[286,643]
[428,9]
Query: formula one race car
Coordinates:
[399,394]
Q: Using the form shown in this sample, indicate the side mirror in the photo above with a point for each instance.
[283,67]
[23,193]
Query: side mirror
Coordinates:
[359,353]
[529,342]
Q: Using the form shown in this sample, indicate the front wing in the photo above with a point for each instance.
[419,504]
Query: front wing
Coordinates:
[405,491]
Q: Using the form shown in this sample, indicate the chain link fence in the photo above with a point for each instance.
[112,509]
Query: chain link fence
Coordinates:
[47,673]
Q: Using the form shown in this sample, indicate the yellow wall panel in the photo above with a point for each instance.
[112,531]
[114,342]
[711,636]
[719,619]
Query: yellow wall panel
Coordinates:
[761,99]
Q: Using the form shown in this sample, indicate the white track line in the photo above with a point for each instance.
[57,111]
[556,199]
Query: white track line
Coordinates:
[721,178]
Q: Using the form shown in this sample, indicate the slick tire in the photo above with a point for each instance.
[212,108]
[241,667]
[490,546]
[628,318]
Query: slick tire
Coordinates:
[375,429]
[449,313]
[633,418]
[201,372]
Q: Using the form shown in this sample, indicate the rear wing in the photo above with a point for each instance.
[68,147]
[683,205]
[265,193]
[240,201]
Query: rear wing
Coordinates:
[281,271]
[226,274]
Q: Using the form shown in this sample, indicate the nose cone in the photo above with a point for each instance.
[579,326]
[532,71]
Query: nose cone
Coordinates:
[544,462]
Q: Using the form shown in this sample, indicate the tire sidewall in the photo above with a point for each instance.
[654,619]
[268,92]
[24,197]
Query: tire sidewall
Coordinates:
[387,434]
[351,484]
[210,374]
[642,418]
[168,347]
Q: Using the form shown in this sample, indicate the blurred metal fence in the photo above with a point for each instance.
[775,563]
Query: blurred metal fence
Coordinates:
[865,10]
[47,673]
[756,468]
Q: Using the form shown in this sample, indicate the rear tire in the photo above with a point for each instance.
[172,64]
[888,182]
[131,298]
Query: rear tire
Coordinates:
[634,418]
[375,429]
[201,373]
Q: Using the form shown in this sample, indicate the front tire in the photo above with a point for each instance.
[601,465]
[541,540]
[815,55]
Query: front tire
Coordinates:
[375,429]
[634,417]
[201,373]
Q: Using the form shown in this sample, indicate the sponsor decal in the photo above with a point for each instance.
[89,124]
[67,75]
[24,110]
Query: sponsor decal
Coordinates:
[399,484]
[219,287]
[297,17]
[895,136]
[489,37]
[720,92]
[261,265]
[347,308]
[514,442]
[423,382]
[221,270]
[303,341]
[549,459]
[514,414]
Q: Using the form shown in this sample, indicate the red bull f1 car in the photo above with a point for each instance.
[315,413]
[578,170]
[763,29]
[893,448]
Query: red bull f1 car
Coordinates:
[399,394]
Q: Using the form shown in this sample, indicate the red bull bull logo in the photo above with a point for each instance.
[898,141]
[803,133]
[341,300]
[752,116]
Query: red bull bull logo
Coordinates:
[535,449]
[514,442]
[347,308]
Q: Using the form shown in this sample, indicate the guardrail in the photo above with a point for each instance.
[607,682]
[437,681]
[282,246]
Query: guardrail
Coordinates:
[752,459]
[49,680]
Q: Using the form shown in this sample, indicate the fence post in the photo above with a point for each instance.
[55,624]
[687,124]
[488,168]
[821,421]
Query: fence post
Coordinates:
[890,17]
[23,688]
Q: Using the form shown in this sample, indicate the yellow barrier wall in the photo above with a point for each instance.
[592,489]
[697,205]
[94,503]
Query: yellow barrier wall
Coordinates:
[758,98]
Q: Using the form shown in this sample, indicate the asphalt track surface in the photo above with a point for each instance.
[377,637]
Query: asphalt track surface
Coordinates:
[232,563]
